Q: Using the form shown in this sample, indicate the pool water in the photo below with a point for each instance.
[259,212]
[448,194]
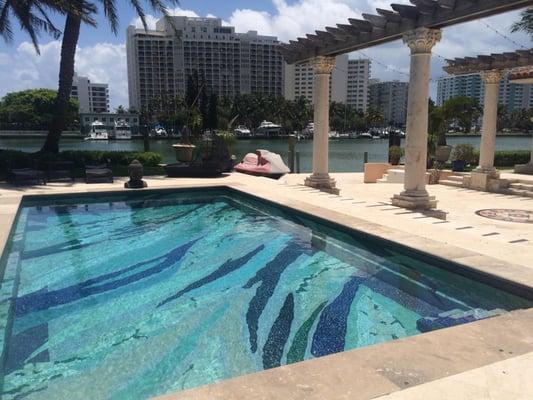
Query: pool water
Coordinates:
[131,297]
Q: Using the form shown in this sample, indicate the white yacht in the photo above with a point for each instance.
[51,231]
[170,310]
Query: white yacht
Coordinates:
[364,135]
[309,130]
[122,130]
[98,131]
[268,129]
[242,132]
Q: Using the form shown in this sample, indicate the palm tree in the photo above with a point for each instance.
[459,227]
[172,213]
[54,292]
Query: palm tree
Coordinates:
[32,17]
[77,12]
[526,22]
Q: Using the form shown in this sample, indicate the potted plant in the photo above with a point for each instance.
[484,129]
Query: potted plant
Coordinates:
[442,153]
[231,140]
[395,154]
[184,150]
[463,154]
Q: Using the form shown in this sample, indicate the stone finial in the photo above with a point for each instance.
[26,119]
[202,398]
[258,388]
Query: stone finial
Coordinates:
[492,77]
[422,40]
[323,64]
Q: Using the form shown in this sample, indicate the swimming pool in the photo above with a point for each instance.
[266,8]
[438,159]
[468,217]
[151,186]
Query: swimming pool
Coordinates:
[133,295]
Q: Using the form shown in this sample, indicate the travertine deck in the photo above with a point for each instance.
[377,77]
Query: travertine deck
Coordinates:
[497,248]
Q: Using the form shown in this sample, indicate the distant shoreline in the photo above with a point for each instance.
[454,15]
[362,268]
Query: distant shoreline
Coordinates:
[77,135]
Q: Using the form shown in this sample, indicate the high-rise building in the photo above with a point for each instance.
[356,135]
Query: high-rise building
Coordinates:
[348,84]
[93,97]
[390,98]
[358,84]
[514,96]
[161,60]
[300,80]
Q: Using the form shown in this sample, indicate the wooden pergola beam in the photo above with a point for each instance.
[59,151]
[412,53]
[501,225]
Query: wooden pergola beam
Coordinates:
[390,25]
[504,61]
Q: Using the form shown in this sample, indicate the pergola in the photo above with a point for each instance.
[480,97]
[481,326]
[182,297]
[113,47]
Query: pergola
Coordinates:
[419,25]
[491,67]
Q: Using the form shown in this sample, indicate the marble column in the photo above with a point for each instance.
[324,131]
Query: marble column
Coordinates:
[320,178]
[490,118]
[480,178]
[420,41]
[526,168]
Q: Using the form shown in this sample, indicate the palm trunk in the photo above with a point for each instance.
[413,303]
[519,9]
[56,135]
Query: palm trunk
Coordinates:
[66,75]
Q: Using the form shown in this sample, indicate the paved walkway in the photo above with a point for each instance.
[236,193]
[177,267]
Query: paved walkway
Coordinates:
[508,241]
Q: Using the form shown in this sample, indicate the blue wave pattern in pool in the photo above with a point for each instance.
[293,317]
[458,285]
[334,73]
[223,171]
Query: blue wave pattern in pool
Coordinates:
[130,298]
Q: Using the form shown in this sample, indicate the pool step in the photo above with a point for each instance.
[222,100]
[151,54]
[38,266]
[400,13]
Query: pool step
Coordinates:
[518,192]
[452,180]
[455,317]
[396,176]
[393,176]
[521,186]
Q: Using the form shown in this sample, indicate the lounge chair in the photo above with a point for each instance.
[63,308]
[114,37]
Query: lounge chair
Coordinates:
[59,171]
[98,174]
[211,158]
[25,173]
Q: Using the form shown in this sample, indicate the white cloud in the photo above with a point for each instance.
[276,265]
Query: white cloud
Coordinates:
[151,19]
[21,68]
[293,20]
[102,63]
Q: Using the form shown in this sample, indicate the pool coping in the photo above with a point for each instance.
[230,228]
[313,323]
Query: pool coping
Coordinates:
[322,378]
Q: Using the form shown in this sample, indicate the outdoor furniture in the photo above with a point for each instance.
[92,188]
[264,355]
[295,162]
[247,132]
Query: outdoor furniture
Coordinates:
[18,176]
[24,172]
[59,171]
[98,174]
[211,158]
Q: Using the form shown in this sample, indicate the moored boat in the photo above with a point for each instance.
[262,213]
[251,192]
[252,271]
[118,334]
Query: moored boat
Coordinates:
[364,135]
[242,132]
[98,131]
[268,129]
[122,130]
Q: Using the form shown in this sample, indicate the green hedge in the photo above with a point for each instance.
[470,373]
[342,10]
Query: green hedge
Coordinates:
[118,160]
[82,157]
[507,158]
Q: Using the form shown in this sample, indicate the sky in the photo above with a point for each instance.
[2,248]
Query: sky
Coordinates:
[101,55]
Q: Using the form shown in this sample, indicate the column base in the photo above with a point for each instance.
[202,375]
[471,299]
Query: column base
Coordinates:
[524,169]
[322,182]
[491,172]
[419,200]
[483,179]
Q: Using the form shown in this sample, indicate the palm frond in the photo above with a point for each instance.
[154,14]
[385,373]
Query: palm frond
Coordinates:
[110,12]
[5,25]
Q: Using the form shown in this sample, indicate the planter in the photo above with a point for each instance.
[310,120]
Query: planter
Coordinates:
[442,153]
[395,160]
[434,176]
[458,165]
[184,152]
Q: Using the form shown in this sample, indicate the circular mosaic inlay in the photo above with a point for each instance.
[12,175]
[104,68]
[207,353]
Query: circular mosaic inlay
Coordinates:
[510,215]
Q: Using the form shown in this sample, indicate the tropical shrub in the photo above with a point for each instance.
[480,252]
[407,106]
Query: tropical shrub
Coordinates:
[507,158]
[463,152]
[118,160]
[395,154]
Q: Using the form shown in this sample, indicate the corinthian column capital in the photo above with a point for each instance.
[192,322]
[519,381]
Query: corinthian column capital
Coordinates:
[492,77]
[323,64]
[422,40]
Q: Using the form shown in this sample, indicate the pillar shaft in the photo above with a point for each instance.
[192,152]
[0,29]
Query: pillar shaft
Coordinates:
[321,125]
[420,41]
[490,118]
[417,124]
[320,178]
